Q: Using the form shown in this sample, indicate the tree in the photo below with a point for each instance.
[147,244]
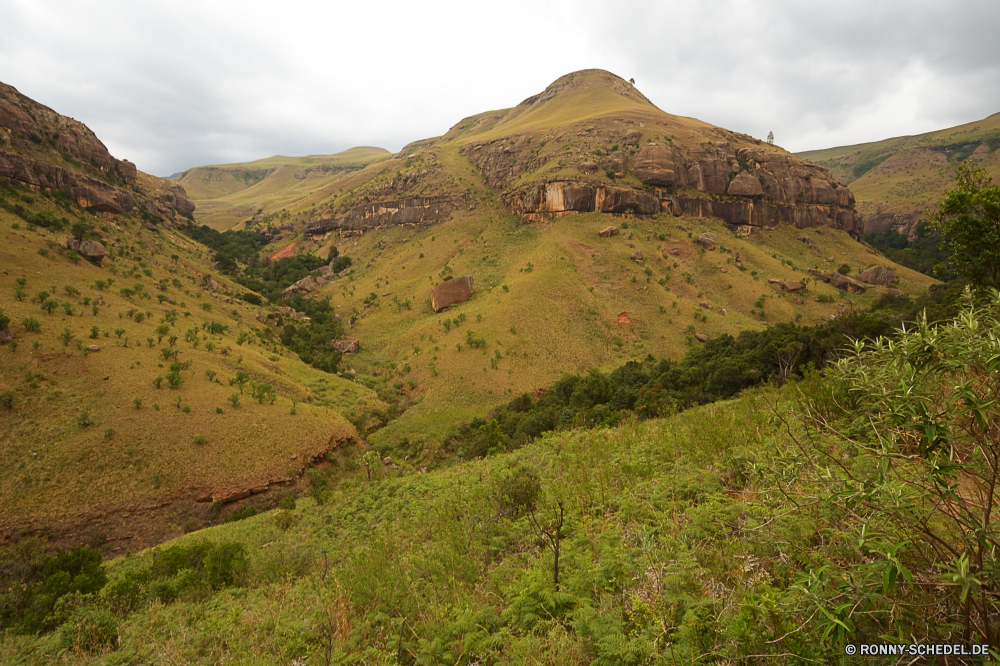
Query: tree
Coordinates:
[969,221]
[770,138]
[632,81]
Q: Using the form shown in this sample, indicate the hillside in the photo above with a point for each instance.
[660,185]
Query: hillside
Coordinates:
[118,419]
[514,199]
[897,180]
[227,195]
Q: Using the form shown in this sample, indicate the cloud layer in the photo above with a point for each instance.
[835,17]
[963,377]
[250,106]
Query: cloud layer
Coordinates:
[180,84]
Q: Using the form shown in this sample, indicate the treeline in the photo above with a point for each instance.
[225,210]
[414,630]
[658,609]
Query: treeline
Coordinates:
[717,370]
[309,339]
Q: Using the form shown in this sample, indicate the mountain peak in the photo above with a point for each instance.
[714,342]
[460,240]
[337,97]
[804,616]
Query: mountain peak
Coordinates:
[587,82]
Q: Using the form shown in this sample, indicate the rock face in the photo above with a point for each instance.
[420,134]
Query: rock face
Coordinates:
[346,345]
[451,292]
[419,210]
[746,214]
[90,250]
[745,185]
[903,223]
[657,165]
[553,199]
[880,275]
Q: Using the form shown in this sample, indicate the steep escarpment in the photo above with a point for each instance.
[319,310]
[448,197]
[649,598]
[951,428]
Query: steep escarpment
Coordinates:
[45,150]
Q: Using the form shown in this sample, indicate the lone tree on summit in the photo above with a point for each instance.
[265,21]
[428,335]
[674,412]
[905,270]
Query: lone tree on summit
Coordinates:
[770,138]
[969,220]
[632,81]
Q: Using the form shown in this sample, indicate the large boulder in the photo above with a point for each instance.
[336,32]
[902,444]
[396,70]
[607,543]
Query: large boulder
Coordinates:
[346,345]
[89,197]
[654,165]
[880,275]
[88,249]
[845,283]
[745,185]
[608,232]
[708,240]
[451,292]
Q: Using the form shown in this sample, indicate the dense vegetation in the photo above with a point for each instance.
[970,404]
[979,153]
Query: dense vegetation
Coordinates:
[925,254]
[237,254]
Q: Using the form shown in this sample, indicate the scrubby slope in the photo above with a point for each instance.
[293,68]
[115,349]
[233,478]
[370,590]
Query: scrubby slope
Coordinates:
[95,442]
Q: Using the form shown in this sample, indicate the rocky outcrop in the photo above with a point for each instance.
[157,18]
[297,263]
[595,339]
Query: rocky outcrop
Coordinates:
[748,214]
[552,199]
[846,284]
[657,165]
[878,275]
[346,345]
[608,232]
[745,185]
[450,292]
[419,210]
[707,240]
[90,250]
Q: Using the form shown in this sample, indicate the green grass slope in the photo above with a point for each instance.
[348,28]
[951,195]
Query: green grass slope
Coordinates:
[910,173]
[227,194]
[92,436]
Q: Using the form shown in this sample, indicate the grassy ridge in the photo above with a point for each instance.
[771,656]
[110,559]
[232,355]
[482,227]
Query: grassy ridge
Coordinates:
[910,173]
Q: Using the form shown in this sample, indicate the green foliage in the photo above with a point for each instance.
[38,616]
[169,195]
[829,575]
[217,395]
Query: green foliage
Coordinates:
[32,325]
[31,583]
[969,221]
[241,513]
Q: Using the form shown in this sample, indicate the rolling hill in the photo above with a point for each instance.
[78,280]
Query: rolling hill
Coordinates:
[230,194]
[897,180]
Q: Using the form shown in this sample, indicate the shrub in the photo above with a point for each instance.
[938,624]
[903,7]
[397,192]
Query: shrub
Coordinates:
[158,382]
[7,399]
[200,439]
[234,400]
[66,336]
[31,324]
[241,513]
[174,380]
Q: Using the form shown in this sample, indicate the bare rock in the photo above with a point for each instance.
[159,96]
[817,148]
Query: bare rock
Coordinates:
[793,285]
[346,345]
[774,281]
[655,165]
[93,348]
[588,167]
[880,275]
[212,285]
[846,284]
[707,240]
[90,250]
[701,337]
[819,275]
[636,256]
[6,335]
[745,185]
[608,232]
[450,292]
[705,305]
[893,292]
[797,300]
[631,138]
[778,286]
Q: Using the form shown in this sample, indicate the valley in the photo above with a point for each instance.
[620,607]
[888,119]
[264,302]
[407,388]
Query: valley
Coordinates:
[630,434]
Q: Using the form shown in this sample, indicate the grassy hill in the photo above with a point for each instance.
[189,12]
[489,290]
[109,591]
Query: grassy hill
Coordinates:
[909,174]
[92,436]
[229,194]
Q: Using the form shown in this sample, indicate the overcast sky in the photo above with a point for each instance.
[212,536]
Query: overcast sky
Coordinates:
[181,84]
